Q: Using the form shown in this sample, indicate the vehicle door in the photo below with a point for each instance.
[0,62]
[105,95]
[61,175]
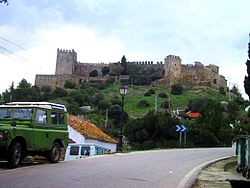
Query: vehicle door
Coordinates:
[41,130]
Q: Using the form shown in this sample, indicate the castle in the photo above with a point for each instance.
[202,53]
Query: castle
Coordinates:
[172,72]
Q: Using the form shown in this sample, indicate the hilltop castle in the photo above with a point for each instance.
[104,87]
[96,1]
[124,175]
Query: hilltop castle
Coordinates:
[172,72]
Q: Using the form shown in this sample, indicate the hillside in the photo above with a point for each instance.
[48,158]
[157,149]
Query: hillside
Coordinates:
[136,94]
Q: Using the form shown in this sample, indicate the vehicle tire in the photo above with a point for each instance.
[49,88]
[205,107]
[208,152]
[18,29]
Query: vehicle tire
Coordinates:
[55,153]
[15,155]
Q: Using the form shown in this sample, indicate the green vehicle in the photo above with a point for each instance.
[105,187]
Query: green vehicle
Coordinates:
[32,128]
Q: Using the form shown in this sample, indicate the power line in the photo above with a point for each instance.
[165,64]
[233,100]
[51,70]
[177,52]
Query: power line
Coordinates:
[8,52]
[13,43]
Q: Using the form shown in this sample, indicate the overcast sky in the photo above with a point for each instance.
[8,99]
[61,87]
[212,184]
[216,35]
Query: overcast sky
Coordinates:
[209,31]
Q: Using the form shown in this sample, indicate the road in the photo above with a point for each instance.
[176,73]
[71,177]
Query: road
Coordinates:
[162,168]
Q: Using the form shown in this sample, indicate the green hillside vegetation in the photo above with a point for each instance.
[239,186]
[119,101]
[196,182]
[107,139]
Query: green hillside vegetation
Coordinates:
[218,124]
[136,94]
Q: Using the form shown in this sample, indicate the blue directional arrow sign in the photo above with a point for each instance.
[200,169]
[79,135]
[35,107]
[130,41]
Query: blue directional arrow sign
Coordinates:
[178,128]
[181,128]
[184,129]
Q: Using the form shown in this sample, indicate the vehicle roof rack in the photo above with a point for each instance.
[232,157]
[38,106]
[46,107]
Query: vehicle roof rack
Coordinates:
[47,105]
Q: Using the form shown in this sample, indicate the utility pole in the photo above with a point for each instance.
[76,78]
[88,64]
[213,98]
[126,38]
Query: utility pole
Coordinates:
[156,104]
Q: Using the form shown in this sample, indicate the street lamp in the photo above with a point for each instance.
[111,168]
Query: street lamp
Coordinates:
[123,91]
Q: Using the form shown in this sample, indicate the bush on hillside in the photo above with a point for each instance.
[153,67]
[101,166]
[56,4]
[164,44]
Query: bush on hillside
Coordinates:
[143,104]
[149,92]
[162,95]
[103,105]
[176,89]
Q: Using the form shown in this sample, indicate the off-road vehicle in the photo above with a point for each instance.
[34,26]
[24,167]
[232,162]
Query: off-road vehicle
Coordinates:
[32,128]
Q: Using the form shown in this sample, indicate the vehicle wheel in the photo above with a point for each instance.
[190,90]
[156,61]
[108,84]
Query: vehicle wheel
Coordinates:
[244,172]
[15,155]
[55,153]
[248,174]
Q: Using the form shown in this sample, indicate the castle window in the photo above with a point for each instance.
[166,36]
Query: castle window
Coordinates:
[174,64]
[215,81]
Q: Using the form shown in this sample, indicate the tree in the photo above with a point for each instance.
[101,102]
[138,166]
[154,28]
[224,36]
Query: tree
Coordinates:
[124,65]
[247,78]
[4,1]
[24,84]
[24,92]
[105,70]
[59,92]
[69,84]
[152,131]
[117,70]
[235,91]
[222,91]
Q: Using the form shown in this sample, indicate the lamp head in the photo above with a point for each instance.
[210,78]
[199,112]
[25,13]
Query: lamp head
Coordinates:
[123,90]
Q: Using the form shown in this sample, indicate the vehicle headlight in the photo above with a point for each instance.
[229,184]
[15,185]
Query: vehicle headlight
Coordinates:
[3,135]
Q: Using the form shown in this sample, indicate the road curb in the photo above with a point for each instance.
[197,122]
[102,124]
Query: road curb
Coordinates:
[189,180]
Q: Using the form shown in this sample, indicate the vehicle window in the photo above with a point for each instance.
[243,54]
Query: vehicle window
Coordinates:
[41,116]
[17,113]
[61,118]
[57,118]
[85,151]
[74,150]
[54,117]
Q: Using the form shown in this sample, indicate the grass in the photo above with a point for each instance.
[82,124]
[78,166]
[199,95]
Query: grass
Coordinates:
[136,94]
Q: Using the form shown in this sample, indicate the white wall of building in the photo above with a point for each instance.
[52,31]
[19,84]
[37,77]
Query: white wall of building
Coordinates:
[75,136]
[111,146]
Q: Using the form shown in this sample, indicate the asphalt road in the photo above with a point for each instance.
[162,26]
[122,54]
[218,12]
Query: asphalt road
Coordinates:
[162,168]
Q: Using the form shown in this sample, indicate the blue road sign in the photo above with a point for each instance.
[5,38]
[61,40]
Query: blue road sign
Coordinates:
[181,128]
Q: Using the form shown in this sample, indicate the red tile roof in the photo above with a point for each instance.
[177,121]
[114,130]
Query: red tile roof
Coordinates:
[89,130]
[193,114]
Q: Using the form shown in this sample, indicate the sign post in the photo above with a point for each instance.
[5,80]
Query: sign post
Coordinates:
[180,129]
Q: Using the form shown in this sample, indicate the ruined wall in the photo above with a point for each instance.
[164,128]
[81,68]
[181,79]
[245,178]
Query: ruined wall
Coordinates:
[83,69]
[190,75]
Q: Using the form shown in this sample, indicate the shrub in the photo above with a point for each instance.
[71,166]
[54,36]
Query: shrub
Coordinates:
[222,91]
[162,95]
[143,104]
[115,100]
[69,84]
[110,81]
[151,91]
[176,89]
[124,81]
[103,105]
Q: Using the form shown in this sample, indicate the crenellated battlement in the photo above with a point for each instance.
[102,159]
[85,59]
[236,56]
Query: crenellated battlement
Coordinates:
[65,51]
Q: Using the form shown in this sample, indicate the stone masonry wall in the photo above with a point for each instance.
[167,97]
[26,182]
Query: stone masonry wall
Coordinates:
[68,68]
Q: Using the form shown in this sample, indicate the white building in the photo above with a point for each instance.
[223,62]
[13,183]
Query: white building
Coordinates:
[81,132]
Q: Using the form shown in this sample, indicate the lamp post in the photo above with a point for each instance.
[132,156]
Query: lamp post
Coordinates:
[123,91]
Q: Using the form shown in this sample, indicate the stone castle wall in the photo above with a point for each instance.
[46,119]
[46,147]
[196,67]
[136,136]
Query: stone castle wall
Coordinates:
[68,68]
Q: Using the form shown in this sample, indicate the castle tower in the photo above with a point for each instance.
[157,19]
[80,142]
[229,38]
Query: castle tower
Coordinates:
[65,61]
[172,68]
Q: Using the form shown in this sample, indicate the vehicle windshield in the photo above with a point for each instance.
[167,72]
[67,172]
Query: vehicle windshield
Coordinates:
[16,113]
